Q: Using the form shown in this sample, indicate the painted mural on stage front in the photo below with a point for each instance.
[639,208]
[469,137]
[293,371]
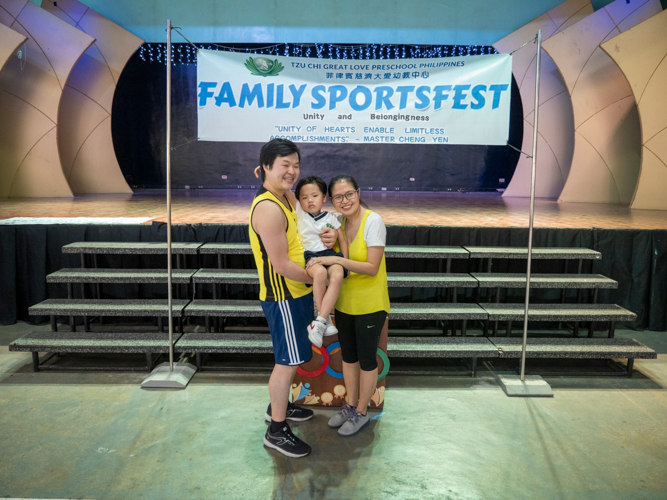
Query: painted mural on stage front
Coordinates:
[320,380]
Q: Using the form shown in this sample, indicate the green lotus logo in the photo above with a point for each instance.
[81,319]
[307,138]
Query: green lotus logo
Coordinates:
[261,66]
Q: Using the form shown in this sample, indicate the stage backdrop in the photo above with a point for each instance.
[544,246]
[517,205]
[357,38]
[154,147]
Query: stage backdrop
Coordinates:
[139,125]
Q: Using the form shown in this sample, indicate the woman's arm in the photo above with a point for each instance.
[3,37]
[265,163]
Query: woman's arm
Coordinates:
[342,242]
[369,268]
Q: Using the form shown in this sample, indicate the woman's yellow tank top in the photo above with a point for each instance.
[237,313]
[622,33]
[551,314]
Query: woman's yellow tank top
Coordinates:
[360,293]
[272,286]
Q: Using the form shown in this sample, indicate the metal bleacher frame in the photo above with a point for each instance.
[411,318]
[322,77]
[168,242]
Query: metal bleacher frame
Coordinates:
[444,346]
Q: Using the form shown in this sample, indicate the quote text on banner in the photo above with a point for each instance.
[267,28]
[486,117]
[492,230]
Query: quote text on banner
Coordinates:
[255,98]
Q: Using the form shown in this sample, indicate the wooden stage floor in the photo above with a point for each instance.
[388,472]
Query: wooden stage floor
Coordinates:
[399,208]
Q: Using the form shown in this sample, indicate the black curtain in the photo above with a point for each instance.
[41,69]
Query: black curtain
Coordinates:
[636,258]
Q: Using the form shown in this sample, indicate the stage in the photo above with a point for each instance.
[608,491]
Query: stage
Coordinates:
[474,209]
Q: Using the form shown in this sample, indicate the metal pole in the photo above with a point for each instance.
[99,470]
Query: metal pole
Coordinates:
[169,291]
[532,202]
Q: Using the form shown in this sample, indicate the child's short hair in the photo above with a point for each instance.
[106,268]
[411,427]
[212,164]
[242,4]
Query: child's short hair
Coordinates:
[313,179]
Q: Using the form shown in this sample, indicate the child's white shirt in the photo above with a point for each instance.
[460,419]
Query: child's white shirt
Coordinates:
[310,226]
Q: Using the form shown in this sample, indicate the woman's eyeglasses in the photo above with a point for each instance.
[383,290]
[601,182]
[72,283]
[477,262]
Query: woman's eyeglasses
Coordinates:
[350,195]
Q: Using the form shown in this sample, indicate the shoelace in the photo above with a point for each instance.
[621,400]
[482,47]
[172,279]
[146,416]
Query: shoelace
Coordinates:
[288,434]
[356,416]
[346,408]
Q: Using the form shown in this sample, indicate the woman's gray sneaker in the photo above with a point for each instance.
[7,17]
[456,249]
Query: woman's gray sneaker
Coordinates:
[354,424]
[341,417]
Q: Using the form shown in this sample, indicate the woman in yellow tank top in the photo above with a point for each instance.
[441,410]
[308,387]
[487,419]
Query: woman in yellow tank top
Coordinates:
[363,303]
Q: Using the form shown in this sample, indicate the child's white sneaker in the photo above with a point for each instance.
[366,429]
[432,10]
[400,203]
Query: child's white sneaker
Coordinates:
[316,330]
[331,328]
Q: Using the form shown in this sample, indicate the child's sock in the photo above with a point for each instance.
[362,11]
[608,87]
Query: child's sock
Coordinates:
[321,319]
[276,426]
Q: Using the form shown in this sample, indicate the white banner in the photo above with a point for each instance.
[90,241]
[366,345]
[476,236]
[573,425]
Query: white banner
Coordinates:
[254,98]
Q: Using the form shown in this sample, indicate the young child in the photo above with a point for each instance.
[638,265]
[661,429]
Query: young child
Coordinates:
[311,220]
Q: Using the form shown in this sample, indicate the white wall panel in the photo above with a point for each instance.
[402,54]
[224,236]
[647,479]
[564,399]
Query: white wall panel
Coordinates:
[556,134]
[85,109]
[607,147]
[30,93]
[10,41]
[641,53]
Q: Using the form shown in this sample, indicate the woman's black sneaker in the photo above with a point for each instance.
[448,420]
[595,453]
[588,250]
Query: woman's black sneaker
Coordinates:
[286,442]
[294,412]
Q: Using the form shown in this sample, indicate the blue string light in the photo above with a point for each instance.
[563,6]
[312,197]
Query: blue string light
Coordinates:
[183,53]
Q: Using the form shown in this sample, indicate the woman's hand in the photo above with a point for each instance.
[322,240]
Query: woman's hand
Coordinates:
[325,261]
[328,237]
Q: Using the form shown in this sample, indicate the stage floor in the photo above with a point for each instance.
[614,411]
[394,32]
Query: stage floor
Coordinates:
[399,208]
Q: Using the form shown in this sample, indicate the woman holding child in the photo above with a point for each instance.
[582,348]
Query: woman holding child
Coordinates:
[363,302]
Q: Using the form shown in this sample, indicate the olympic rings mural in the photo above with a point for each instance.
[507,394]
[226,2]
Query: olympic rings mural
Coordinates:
[333,349]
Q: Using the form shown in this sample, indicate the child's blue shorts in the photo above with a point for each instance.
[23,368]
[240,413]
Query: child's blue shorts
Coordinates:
[329,252]
[288,320]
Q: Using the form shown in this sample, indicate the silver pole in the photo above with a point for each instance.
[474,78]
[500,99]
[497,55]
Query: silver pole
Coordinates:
[532,202]
[169,291]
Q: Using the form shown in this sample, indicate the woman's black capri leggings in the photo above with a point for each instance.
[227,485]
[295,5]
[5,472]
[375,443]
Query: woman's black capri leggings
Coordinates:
[359,336]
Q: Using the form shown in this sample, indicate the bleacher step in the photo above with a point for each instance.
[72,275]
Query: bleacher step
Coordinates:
[425,252]
[96,275]
[438,347]
[518,280]
[93,342]
[423,280]
[391,251]
[435,347]
[247,343]
[130,248]
[252,308]
[107,307]
[586,348]
[559,312]
[441,347]
[479,252]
